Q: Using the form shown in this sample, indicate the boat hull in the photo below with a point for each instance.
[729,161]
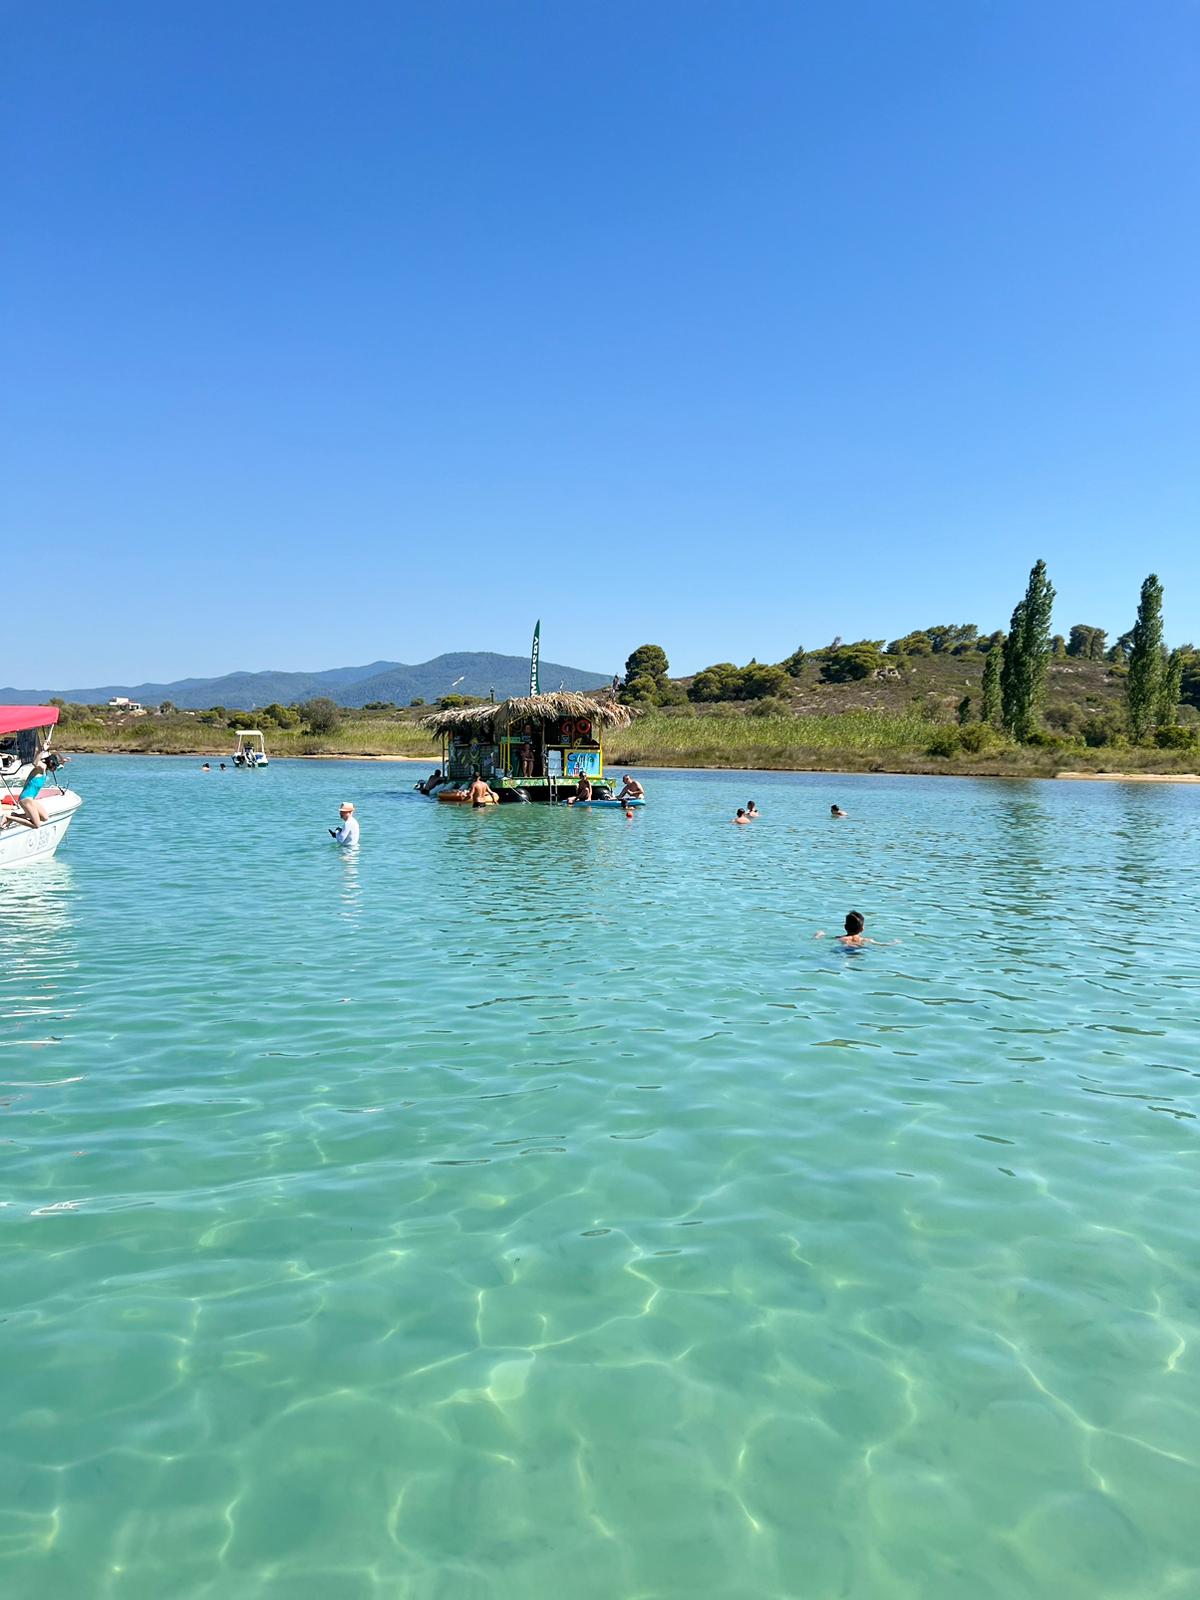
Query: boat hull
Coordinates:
[21,846]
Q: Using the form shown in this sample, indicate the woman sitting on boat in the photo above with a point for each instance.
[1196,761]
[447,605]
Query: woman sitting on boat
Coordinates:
[33,812]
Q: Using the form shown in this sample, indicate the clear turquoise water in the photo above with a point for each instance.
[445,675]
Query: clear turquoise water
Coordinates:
[528,1207]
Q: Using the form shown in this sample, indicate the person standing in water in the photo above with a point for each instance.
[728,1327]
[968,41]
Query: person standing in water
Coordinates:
[347,833]
[741,819]
[480,792]
[836,811]
[752,811]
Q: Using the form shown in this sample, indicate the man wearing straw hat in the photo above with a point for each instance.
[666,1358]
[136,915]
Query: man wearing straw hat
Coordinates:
[348,832]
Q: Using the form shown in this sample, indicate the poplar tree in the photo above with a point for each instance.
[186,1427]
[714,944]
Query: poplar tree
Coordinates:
[1171,691]
[1144,685]
[1026,656]
[989,710]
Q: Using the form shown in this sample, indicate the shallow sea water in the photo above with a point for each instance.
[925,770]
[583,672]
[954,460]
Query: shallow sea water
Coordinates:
[527,1206]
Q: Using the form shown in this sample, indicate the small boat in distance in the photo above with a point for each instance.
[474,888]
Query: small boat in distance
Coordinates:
[251,749]
[24,740]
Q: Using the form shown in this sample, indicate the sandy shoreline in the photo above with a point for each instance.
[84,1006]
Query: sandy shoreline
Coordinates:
[1130,777]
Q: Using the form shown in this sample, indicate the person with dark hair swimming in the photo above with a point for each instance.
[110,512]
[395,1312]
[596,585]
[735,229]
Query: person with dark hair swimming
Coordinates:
[752,811]
[854,937]
[836,811]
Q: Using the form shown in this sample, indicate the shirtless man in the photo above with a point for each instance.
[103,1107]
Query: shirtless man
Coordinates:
[631,789]
[741,819]
[480,794]
[854,935]
[584,792]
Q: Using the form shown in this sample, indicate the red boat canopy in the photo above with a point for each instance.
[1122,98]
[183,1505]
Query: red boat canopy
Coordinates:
[14,718]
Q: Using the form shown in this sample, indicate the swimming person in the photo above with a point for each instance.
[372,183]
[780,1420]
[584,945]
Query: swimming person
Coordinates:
[348,832]
[854,936]
[752,811]
[836,811]
[742,817]
[204,767]
[631,789]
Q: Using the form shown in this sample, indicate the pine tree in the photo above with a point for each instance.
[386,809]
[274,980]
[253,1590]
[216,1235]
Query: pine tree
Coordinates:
[1026,656]
[1145,682]
[989,710]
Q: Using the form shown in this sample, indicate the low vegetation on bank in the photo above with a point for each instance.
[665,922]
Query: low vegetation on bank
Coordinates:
[1026,703]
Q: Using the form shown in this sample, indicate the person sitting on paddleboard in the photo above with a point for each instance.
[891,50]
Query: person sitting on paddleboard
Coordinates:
[631,789]
[584,792]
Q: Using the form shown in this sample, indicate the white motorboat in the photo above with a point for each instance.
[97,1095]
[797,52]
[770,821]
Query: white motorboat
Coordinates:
[25,740]
[251,749]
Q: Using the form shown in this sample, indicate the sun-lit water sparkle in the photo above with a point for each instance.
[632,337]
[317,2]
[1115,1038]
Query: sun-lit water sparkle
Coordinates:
[528,1206]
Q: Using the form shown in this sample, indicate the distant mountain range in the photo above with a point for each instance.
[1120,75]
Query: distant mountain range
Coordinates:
[480,672]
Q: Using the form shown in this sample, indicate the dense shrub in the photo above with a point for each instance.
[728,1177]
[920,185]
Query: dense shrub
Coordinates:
[1042,739]
[977,738]
[850,662]
[322,715]
[720,682]
[945,742]
[757,681]
[1175,738]
[281,716]
[1063,719]
[1097,731]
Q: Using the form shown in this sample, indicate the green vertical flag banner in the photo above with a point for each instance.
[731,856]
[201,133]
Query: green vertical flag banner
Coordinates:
[533,657]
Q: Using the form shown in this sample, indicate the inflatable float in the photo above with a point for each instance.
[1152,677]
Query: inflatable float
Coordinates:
[460,797]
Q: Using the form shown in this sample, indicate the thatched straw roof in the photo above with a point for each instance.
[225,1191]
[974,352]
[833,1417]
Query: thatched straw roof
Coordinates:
[531,708]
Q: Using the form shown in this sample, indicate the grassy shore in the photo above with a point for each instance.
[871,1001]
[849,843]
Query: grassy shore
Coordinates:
[179,736]
[849,741]
[858,741]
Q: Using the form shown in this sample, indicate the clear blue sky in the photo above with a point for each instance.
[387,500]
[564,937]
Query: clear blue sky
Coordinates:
[335,332]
